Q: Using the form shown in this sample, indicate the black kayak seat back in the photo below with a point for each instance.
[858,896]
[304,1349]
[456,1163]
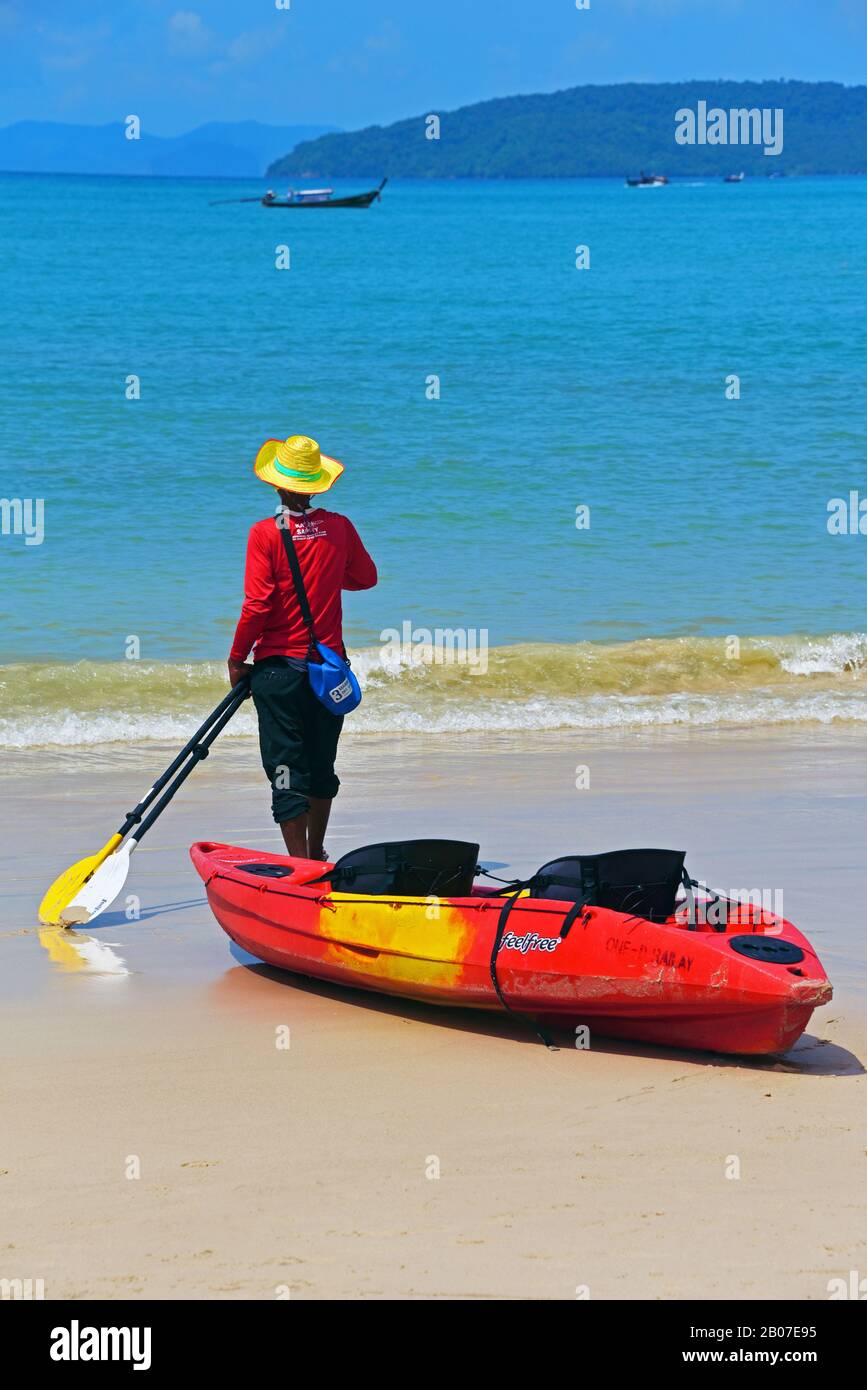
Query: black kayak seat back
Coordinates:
[407,868]
[641,882]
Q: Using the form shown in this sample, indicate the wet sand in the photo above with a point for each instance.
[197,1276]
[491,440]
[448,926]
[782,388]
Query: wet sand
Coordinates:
[158,1143]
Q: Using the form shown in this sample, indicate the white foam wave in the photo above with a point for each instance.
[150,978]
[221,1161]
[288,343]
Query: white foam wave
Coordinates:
[815,680]
[70,730]
[390,713]
[837,654]
[614,712]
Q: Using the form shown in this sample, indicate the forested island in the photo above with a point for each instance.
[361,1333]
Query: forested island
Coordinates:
[600,131]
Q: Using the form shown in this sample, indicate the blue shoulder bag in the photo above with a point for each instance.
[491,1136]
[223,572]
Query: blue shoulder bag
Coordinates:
[332,681]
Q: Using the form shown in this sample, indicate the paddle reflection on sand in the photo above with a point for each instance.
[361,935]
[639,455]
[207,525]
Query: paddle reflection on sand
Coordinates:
[74,951]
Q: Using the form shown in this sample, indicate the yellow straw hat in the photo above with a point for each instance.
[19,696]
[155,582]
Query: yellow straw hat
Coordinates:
[296,465]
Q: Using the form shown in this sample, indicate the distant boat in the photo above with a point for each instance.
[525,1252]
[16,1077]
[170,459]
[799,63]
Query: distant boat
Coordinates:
[648,181]
[321,198]
[733,178]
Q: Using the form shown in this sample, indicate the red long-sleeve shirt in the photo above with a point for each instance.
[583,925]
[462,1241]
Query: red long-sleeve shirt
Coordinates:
[332,558]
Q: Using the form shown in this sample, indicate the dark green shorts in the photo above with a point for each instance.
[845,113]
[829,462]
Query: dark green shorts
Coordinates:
[297,737]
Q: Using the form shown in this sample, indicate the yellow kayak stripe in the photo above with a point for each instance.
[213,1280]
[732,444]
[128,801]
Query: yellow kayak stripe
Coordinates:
[418,941]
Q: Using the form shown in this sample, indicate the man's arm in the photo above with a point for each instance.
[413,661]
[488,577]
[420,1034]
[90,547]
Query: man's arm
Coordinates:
[360,571]
[258,593]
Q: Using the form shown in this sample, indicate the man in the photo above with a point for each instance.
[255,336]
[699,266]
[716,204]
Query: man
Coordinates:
[297,735]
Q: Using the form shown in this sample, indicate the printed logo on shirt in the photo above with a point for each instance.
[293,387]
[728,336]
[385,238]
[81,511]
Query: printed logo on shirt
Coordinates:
[311,528]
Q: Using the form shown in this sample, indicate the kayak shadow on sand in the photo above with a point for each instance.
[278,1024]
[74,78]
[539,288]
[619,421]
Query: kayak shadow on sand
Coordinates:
[241,989]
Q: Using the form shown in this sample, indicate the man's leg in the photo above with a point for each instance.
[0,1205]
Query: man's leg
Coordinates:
[280,694]
[295,836]
[317,824]
[323,732]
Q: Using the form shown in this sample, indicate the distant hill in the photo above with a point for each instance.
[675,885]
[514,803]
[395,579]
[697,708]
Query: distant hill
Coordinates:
[232,149]
[600,131]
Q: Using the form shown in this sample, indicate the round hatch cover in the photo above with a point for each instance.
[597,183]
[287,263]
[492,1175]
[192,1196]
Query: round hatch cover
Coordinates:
[770,948]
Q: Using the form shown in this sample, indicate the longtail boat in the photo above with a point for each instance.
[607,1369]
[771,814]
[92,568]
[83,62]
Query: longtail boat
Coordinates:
[321,198]
[648,181]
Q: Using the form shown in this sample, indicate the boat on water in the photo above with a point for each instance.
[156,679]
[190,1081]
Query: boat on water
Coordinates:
[648,181]
[321,198]
[601,940]
[733,178]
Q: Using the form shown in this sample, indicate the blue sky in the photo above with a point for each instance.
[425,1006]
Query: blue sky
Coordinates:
[355,62]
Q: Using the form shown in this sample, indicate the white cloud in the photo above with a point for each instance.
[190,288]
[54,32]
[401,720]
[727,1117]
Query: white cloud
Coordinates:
[66,50]
[10,18]
[387,40]
[189,36]
[252,45]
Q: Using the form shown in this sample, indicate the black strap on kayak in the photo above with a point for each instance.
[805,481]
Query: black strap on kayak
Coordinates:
[688,885]
[543,881]
[298,581]
[509,883]
[571,917]
[505,913]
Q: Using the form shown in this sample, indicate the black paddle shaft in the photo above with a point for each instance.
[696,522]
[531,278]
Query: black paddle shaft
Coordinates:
[224,711]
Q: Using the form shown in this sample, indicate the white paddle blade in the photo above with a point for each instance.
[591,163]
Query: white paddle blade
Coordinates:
[101,888]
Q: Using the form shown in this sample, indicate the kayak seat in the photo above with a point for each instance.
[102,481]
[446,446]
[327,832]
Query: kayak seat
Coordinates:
[640,882]
[406,868]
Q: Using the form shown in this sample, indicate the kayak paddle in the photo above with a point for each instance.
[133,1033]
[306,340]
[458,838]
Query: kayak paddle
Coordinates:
[74,896]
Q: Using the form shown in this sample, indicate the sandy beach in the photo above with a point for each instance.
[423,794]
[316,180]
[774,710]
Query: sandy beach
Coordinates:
[158,1143]
[515,354]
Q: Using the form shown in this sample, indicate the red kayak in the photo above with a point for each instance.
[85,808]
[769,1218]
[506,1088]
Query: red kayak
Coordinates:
[602,941]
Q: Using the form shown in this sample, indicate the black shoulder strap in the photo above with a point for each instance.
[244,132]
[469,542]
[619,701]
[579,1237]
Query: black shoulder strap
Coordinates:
[295,567]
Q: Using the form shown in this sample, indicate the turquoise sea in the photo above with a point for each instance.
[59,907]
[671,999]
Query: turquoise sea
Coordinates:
[559,388]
